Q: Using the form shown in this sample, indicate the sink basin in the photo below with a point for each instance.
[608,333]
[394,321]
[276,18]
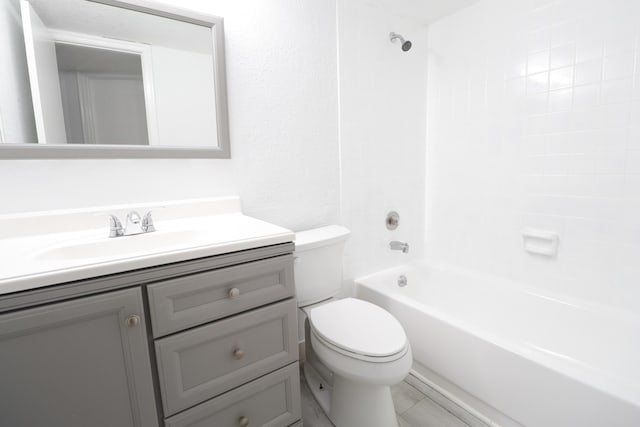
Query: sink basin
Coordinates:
[40,249]
[105,247]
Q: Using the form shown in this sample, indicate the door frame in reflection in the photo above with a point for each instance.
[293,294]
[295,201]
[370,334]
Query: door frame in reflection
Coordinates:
[140,49]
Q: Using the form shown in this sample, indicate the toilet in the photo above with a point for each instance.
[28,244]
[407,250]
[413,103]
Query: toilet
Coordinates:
[355,351]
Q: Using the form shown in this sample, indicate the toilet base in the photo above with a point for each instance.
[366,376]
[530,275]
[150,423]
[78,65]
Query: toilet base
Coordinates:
[351,404]
[319,387]
[356,404]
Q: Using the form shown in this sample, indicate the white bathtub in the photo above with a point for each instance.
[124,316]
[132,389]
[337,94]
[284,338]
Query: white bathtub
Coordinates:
[541,361]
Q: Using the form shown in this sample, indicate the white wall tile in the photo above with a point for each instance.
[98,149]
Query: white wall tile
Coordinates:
[586,96]
[588,72]
[562,56]
[589,48]
[538,62]
[560,100]
[561,78]
[616,91]
[618,67]
[573,169]
[633,162]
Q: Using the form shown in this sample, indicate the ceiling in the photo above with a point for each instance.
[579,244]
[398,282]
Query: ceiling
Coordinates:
[425,11]
[93,60]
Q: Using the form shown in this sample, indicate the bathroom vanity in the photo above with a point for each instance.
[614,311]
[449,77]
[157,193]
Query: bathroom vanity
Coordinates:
[200,335]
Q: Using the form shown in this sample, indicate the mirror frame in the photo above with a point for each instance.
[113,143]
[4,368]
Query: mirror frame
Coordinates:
[77,151]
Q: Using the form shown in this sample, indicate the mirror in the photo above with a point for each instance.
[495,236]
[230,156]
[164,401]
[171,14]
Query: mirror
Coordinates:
[112,78]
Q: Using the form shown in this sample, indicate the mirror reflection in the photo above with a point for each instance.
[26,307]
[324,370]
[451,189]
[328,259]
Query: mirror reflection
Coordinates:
[102,97]
[104,74]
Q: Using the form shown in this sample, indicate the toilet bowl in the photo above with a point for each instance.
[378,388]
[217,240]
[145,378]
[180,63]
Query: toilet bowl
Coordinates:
[355,349]
[367,351]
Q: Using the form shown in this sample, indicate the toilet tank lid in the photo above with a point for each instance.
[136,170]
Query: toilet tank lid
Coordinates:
[322,236]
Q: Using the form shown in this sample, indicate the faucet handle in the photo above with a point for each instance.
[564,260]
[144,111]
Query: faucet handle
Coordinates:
[147,223]
[115,226]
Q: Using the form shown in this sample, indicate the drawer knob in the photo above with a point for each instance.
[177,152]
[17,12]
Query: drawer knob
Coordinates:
[238,354]
[131,321]
[234,293]
[243,421]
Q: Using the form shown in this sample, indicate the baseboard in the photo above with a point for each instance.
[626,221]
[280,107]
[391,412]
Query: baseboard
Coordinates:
[456,401]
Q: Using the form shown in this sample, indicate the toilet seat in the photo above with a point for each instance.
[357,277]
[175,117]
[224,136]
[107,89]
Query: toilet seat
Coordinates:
[359,329]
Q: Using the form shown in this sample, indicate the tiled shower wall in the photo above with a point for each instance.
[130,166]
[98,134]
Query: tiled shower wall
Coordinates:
[534,122]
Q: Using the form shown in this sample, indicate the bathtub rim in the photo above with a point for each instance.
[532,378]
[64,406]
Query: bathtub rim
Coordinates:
[607,310]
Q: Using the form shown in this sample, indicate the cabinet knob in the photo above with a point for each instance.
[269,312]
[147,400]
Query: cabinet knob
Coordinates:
[238,354]
[243,421]
[133,320]
[234,293]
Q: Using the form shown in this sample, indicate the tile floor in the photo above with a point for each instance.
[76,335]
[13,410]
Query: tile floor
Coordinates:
[413,406]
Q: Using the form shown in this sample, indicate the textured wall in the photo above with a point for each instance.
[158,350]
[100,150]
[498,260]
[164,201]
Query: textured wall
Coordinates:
[283,108]
[534,121]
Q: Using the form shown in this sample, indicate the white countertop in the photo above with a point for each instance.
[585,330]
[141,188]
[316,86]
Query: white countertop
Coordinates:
[48,248]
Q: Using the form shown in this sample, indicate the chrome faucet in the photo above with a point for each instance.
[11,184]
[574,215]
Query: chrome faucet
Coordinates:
[135,225]
[399,246]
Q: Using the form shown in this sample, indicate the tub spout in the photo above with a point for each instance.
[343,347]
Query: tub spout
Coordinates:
[399,246]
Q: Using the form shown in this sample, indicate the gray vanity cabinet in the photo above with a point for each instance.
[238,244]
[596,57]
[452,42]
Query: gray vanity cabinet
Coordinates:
[209,342]
[83,362]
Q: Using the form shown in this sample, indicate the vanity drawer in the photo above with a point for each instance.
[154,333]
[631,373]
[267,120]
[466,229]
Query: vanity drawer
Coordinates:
[199,298]
[272,400]
[202,363]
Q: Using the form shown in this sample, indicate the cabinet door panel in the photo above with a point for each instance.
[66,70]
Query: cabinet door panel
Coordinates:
[77,363]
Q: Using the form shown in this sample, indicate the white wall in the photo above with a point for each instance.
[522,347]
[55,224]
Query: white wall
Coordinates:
[382,133]
[283,106]
[16,112]
[534,121]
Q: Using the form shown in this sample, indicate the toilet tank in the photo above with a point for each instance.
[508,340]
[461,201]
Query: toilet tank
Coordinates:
[318,263]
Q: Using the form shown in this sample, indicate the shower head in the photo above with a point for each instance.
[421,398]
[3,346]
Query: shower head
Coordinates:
[405,44]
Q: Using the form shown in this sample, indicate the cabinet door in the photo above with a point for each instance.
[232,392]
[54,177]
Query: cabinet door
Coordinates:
[79,363]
